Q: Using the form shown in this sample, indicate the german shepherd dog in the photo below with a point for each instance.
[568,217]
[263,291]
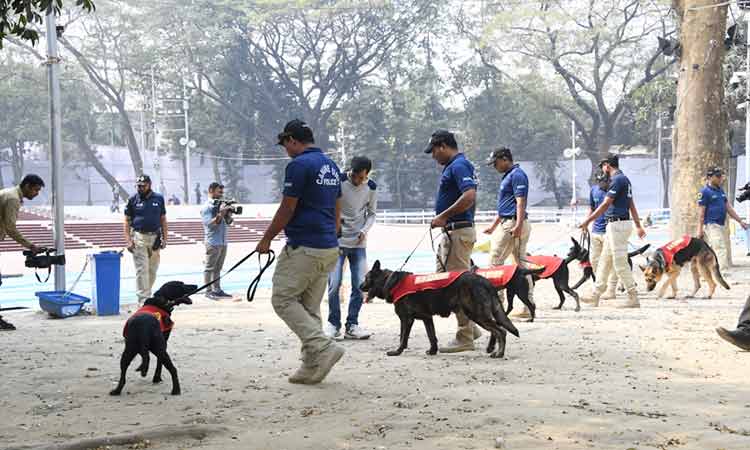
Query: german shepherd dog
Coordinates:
[470,293]
[148,330]
[703,262]
[588,271]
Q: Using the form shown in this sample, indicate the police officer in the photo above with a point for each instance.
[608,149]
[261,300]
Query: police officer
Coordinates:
[599,227]
[620,212]
[309,214]
[714,208]
[511,230]
[11,199]
[454,214]
[145,234]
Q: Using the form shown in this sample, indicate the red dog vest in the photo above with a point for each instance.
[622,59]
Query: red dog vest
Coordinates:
[499,276]
[550,263]
[162,316]
[673,247]
[413,283]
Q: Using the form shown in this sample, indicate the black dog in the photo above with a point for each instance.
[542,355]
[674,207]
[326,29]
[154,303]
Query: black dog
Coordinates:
[148,330]
[513,280]
[582,255]
[467,292]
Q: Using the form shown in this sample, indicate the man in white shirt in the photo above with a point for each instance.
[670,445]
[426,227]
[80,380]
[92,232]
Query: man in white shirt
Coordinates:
[358,204]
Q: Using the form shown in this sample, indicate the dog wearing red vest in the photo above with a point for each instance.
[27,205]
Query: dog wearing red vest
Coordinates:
[148,330]
[420,297]
[512,279]
[669,259]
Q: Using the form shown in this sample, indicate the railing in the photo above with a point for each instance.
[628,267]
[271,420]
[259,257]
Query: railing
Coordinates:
[536,215]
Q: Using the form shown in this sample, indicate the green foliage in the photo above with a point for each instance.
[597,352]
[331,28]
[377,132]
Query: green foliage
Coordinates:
[20,18]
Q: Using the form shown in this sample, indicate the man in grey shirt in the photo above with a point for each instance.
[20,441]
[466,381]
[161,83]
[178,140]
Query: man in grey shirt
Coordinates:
[216,219]
[358,204]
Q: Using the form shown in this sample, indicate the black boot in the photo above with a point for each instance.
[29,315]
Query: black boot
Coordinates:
[6,326]
[739,337]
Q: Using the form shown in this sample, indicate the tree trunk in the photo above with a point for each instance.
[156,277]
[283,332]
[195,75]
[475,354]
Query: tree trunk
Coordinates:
[217,172]
[93,159]
[16,150]
[130,141]
[700,138]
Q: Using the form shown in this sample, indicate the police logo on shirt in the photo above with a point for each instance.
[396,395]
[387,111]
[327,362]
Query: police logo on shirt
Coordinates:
[700,196]
[326,176]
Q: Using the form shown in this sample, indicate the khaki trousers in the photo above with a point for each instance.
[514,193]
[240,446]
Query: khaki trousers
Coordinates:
[714,236]
[146,261]
[595,253]
[615,254]
[299,282]
[215,256]
[455,254]
[503,245]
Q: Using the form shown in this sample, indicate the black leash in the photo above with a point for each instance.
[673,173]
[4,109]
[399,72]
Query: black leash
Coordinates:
[255,282]
[450,248]
[415,249]
[13,308]
[585,239]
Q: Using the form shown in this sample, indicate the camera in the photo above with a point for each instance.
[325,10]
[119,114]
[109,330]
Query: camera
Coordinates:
[745,195]
[234,208]
[44,259]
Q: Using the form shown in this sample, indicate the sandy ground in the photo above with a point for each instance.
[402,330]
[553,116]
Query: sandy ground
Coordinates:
[604,378]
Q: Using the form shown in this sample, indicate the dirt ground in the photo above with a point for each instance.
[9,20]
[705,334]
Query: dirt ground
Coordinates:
[658,377]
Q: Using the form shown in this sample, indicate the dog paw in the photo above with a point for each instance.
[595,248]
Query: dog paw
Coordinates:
[114,392]
[156,380]
[497,354]
[393,352]
[557,307]
[529,320]
[578,309]
[432,351]
[671,297]
[176,392]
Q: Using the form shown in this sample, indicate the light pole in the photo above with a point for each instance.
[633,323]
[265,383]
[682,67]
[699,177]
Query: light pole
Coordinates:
[55,140]
[572,153]
[186,141]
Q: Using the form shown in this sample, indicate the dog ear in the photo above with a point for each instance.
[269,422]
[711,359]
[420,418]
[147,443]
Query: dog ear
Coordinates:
[643,269]
[376,266]
[575,242]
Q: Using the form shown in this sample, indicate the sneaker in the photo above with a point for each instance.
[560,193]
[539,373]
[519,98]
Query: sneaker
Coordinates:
[303,375]
[213,296]
[455,347]
[357,332]
[223,294]
[332,332]
[326,360]
[609,295]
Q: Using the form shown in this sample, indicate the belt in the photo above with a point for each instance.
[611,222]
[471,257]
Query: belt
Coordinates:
[617,219]
[147,232]
[458,225]
[504,218]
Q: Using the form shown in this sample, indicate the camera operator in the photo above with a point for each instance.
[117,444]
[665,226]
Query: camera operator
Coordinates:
[714,209]
[11,200]
[216,215]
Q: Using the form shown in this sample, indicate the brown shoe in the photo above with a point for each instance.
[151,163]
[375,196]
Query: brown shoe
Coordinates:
[738,337]
[326,360]
[303,375]
[609,295]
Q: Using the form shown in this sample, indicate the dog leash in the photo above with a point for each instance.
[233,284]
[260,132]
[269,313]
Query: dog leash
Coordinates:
[429,231]
[254,283]
[437,255]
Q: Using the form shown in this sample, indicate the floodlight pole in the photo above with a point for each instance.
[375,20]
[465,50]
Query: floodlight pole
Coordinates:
[55,141]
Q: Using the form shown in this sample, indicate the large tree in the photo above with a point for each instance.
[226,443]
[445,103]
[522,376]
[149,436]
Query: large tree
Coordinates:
[20,18]
[599,52]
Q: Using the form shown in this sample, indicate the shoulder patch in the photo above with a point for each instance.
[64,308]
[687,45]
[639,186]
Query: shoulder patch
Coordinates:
[372,185]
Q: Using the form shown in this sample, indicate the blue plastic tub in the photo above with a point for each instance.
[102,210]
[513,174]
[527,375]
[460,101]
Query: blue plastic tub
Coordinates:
[60,305]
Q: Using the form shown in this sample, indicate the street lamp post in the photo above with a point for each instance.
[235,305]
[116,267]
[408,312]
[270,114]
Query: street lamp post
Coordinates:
[572,153]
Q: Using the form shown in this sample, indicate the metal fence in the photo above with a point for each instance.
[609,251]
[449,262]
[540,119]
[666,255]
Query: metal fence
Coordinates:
[536,215]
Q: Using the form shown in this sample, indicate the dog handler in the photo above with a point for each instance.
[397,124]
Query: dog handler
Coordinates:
[11,200]
[714,208]
[599,227]
[454,213]
[145,234]
[618,207]
[309,214]
[511,230]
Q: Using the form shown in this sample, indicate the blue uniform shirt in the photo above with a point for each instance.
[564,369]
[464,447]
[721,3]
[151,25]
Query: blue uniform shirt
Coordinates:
[315,181]
[621,191]
[596,197]
[715,201]
[457,178]
[145,213]
[514,184]
[215,234]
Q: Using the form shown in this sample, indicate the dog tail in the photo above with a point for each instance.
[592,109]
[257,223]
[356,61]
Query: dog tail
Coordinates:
[639,251]
[717,272]
[588,272]
[482,288]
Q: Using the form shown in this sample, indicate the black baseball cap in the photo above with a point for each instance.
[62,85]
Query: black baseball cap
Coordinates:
[601,176]
[714,171]
[298,130]
[441,137]
[611,159]
[143,179]
[501,153]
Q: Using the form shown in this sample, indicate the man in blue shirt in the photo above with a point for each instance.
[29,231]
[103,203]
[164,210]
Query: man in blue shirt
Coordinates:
[216,220]
[454,214]
[145,234]
[714,208]
[309,214]
[599,227]
[618,207]
[510,231]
